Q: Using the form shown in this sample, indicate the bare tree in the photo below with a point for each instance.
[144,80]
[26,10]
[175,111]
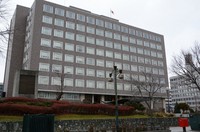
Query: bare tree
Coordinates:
[187,66]
[148,88]
[4,28]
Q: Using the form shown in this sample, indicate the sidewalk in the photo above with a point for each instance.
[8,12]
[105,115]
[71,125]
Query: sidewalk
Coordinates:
[180,129]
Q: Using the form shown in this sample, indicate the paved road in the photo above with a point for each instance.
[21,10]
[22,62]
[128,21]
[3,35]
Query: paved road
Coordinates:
[180,129]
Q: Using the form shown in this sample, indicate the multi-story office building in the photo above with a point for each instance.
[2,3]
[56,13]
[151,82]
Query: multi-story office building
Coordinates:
[181,93]
[81,47]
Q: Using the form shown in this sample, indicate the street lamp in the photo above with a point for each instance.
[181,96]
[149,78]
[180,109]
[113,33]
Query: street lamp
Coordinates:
[116,73]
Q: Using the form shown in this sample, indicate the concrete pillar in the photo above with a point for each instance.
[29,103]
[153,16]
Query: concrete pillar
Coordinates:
[102,99]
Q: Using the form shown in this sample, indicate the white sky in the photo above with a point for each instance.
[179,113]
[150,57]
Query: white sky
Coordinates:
[177,20]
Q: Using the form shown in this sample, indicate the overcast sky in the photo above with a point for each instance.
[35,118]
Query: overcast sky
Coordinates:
[177,20]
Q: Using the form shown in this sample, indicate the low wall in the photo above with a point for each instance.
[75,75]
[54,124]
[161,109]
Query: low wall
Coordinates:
[101,125]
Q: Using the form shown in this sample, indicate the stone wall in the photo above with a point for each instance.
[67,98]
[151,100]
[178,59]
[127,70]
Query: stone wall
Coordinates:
[101,125]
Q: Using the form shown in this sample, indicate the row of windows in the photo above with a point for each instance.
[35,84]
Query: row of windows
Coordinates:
[92,40]
[99,22]
[99,73]
[44,80]
[52,95]
[100,52]
[99,62]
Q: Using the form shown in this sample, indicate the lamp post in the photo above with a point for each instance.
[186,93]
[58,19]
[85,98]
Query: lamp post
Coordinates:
[116,73]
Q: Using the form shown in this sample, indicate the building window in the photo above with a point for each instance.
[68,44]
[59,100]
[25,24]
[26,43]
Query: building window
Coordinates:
[155,71]
[45,42]
[59,22]
[80,83]
[109,44]
[58,44]
[80,49]
[146,44]
[47,19]
[69,70]
[159,47]
[116,27]
[153,53]
[90,30]
[147,52]
[44,54]
[117,46]
[68,82]
[100,42]
[58,33]
[100,63]
[57,56]
[80,60]
[153,46]
[148,70]
[140,59]
[59,12]
[80,71]
[160,63]
[132,40]
[46,31]
[126,57]
[100,52]
[127,87]
[110,85]
[44,67]
[99,22]
[90,72]
[141,69]
[131,31]
[119,86]
[90,40]
[69,46]
[125,47]
[109,54]
[90,84]
[43,80]
[100,84]
[81,17]
[133,58]
[99,32]
[80,27]
[117,55]
[109,64]
[57,68]
[69,58]
[47,8]
[108,34]
[70,14]
[134,68]
[117,36]
[124,29]
[90,50]
[90,61]
[139,42]
[90,20]
[80,38]
[108,25]
[55,81]
[132,49]
[69,35]
[154,62]
[161,72]
[159,55]
[100,73]
[139,50]
[124,38]
[70,25]
[118,64]
[147,61]
[126,67]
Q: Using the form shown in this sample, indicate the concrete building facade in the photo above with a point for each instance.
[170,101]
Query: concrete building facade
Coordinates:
[80,48]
